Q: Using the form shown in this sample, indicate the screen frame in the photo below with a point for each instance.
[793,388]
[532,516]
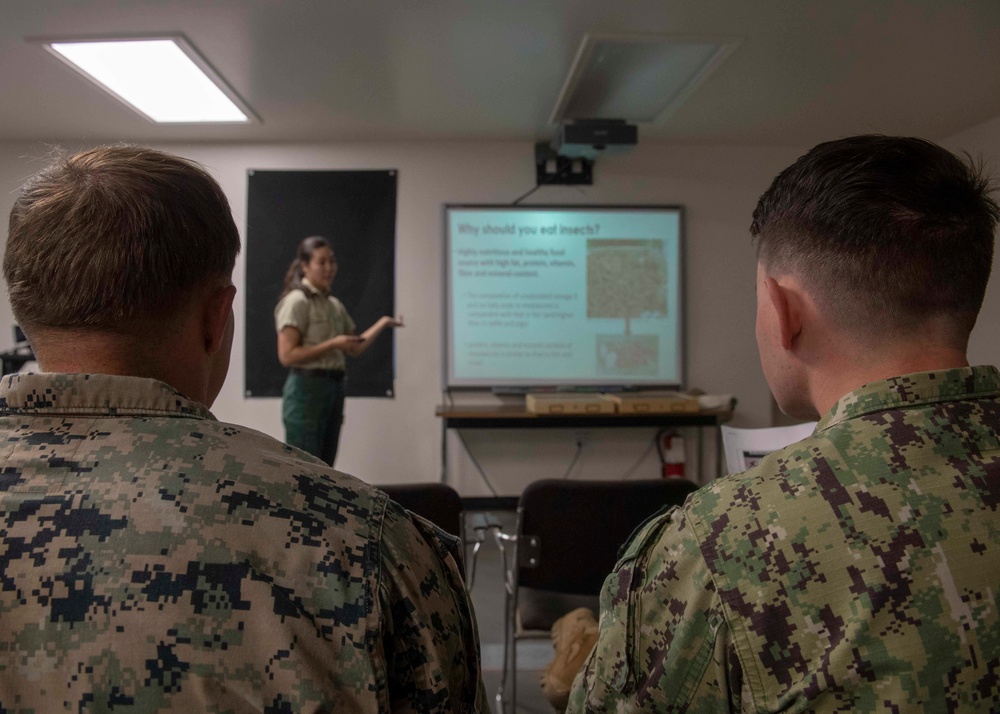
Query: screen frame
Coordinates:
[449,383]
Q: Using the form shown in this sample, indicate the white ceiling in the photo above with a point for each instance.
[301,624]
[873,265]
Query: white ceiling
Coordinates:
[333,70]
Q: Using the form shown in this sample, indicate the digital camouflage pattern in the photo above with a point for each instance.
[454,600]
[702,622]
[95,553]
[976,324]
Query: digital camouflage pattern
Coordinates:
[857,570]
[155,559]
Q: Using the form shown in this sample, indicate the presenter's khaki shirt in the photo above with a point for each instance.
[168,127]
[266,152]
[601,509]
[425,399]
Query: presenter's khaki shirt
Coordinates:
[318,317]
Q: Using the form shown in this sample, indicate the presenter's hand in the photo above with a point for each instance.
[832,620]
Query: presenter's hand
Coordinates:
[344,342]
[392,321]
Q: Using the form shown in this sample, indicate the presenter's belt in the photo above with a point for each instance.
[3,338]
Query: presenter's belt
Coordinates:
[334,374]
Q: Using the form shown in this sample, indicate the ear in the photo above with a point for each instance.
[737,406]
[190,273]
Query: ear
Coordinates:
[215,317]
[787,306]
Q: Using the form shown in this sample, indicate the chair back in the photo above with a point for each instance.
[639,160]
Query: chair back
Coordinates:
[437,502]
[573,531]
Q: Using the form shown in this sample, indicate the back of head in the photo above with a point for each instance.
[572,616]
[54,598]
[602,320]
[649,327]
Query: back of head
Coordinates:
[887,233]
[110,237]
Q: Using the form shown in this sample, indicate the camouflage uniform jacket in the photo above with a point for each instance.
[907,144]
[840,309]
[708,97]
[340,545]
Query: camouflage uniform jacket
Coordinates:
[857,570]
[155,559]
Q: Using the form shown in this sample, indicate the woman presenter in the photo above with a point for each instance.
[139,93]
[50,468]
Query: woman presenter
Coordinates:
[315,332]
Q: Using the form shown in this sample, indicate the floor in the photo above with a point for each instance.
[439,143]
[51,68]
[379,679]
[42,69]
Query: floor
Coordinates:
[488,600]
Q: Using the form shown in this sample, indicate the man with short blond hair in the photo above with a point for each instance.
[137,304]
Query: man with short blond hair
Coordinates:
[155,559]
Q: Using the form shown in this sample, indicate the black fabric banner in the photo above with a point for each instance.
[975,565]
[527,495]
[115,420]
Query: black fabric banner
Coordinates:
[356,212]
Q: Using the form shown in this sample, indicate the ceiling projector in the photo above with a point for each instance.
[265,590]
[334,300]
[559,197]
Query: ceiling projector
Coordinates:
[589,138]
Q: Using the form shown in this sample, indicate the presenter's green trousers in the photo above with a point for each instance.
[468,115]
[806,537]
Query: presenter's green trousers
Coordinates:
[312,409]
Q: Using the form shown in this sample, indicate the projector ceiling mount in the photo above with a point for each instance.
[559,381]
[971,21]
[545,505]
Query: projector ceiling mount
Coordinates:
[551,169]
[569,158]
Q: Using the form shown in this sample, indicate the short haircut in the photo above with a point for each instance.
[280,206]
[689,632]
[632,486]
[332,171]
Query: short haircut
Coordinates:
[886,232]
[106,238]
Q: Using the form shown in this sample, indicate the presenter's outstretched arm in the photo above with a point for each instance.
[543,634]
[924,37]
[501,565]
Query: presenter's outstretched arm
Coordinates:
[291,351]
[369,335]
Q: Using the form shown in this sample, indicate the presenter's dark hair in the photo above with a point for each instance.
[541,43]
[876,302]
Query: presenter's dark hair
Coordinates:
[303,254]
[109,237]
[887,232]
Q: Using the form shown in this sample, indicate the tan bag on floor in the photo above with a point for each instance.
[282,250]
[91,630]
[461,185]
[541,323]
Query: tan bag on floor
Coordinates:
[573,636]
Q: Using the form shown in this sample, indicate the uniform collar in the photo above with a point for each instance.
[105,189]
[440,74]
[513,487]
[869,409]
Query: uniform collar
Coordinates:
[312,290]
[94,394]
[912,390]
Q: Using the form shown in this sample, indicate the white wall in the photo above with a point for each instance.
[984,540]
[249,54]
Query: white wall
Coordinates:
[392,440]
[983,143]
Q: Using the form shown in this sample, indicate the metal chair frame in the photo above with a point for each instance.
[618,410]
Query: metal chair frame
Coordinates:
[524,550]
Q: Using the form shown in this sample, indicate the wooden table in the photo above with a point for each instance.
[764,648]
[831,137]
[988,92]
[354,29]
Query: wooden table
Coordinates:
[516,416]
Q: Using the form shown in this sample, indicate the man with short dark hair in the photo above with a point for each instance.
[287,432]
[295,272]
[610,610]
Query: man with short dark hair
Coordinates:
[855,570]
[153,558]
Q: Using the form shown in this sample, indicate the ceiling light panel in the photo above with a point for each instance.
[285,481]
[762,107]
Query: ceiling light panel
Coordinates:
[164,79]
[641,78]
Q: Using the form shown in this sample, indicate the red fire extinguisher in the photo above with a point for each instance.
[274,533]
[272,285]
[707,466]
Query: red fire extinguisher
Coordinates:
[671,447]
